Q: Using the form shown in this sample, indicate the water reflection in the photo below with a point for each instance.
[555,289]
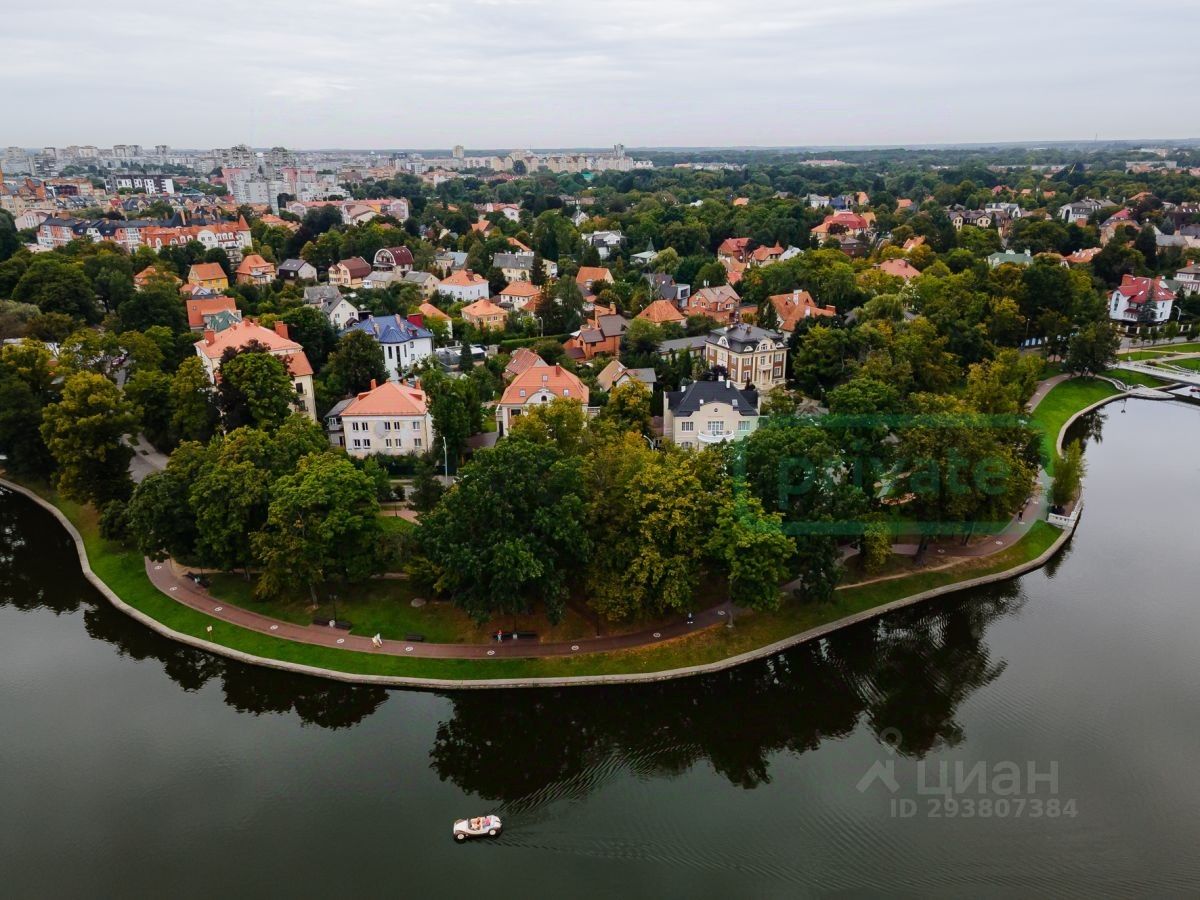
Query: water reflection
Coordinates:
[907,673]
[38,570]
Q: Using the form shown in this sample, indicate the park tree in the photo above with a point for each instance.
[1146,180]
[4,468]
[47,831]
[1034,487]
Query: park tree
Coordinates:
[628,408]
[85,432]
[426,489]
[155,304]
[1093,349]
[357,360]
[10,240]
[1068,475]
[510,532]
[28,384]
[255,389]
[457,414]
[57,285]
[562,311]
[753,550]
[160,518]
[322,525]
[308,326]
[149,390]
[192,402]
[560,423]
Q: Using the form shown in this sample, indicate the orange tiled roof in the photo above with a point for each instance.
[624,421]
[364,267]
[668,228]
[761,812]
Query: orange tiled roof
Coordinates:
[463,278]
[661,311]
[207,272]
[521,289]
[899,268]
[791,308]
[198,309]
[593,274]
[553,379]
[388,399]
[429,311]
[483,307]
[242,333]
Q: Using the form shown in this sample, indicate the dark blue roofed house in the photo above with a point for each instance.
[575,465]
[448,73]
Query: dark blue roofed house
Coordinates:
[405,342]
[709,412]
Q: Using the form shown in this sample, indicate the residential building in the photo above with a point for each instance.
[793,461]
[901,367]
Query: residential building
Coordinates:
[1080,257]
[1079,211]
[426,282]
[208,275]
[253,269]
[605,242]
[795,307]
[202,310]
[1189,278]
[391,419]
[349,272]
[616,374]
[601,335]
[719,303]
[405,342]
[278,344]
[664,287]
[522,358]
[296,270]
[977,218]
[661,312]
[450,261]
[430,313]
[709,412]
[151,273]
[394,259]
[748,355]
[464,286]
[520,294]
[592,278]
[538,384]
[484,314]
[514,266]
[898,268]
[1141,301]
[1010,257]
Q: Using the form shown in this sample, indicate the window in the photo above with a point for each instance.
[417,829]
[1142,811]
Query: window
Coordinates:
[743,426]
[687,426]
[367,443]
[716,427]
[300,388]
[387,442]
[416,426]
[522,392]
[357,443]
[387,426]
[417,442]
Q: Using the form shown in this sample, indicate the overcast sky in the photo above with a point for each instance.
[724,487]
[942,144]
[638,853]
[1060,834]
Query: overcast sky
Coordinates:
[562,73]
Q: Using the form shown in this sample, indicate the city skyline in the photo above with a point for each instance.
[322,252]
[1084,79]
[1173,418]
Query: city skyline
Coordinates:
[527,73]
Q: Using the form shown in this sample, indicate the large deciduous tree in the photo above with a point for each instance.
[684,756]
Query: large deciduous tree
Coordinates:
[322,525]
[85,433]
[510,532]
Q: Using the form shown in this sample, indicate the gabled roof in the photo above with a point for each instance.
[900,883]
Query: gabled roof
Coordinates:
[1137,290]
[206,272]
[593,274]
[553,379]
[429,311]
[796,306]
[392,398]
[898,268]
[198,309]
[481,308]
[742,337]
[661,311]
[242,333]
[463,278]
[522,358]
[292,265]
[252,262]
[521,289]
[355,266]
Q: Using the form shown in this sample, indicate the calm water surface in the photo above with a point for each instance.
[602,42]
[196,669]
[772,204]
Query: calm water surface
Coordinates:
[130,767]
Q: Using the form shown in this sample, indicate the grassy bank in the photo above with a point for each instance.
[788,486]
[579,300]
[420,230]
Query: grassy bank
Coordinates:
[1063,401]
[124,572]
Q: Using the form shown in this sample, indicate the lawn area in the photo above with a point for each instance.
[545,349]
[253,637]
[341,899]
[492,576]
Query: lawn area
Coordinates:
[124,572]
[1063,401]
[1138,378]
[1193,364]
[384,606]
[1141,355]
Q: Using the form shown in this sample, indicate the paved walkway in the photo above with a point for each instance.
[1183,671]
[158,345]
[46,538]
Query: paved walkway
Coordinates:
[181,588]
[178,586]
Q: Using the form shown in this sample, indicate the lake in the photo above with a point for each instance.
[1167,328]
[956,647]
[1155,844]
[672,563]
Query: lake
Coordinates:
[134,767]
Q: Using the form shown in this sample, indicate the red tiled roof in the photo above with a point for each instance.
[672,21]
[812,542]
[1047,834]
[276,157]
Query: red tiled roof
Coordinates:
[388,399]
[661,311]
[553,379]
[198,309]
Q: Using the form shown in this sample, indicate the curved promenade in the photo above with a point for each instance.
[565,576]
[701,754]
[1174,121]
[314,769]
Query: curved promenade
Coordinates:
[183,591]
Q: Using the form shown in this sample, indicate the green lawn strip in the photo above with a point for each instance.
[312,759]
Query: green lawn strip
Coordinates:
[1063,401]
[1141,355]
[124,572]
[1144,380]
[1193,364]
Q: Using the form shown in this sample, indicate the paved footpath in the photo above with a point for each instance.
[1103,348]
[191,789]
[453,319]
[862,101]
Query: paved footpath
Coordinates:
[179,587]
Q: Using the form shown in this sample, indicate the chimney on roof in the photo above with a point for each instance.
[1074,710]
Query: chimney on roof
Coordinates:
[374,384]
[209,335]
[281,329]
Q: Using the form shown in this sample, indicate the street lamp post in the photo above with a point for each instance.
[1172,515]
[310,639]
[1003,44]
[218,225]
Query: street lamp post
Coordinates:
[541,326]
[445,458]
